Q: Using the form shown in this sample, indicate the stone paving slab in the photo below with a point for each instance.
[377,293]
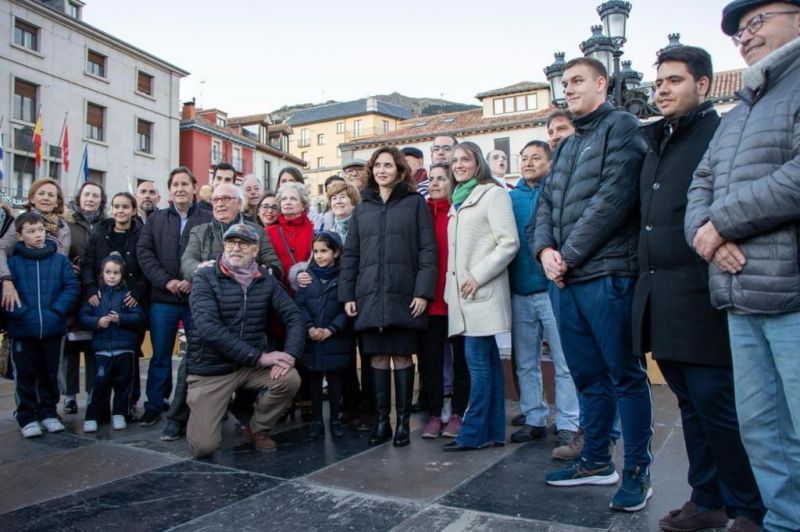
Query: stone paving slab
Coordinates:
[300,506]
[438,517]
[56,475]
[154,500]
[14,448]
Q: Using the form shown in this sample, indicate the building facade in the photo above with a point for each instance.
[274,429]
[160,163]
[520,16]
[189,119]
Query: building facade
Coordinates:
[318,132]
[120,104]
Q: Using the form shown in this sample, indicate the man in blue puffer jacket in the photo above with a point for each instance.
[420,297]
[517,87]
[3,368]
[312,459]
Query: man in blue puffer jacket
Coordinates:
[47,289]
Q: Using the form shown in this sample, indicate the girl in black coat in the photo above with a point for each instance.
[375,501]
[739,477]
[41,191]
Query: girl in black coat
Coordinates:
[331,343]
[389,274]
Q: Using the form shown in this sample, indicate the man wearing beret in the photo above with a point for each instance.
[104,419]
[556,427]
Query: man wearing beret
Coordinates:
[231,304]
[743,217]
[416,161]
[355,173]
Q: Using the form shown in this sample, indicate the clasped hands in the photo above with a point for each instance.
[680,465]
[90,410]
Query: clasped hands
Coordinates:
[554,266]
[726,255]
[279,362]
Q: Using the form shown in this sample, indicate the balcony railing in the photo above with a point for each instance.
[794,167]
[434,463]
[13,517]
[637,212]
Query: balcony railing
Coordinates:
[364,132]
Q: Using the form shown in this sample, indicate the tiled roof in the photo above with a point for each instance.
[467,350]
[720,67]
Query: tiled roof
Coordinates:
[459,123]
[726,84]
[341,110]
[522,86]
[248,120]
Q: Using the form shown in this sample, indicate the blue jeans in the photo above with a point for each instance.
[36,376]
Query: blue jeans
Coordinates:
[594,319]
[485,418]
[766,372]
[532,318]
[164,319]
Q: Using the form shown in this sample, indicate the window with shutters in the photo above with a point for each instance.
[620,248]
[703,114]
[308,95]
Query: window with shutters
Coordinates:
[144,136]
[25,101]
[144,83]
[95,119]
[95,64]
[26,35]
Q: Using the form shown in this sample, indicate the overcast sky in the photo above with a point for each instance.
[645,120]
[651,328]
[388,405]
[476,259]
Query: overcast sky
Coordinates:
[252,56]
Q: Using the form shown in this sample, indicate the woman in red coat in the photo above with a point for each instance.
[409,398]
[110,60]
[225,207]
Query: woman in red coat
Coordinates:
[434,342]
[292,235]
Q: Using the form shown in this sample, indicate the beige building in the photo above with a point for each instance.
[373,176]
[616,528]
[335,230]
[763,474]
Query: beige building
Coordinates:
[317,133]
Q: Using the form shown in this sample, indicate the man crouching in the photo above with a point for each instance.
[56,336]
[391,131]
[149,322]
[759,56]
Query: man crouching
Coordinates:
[231,304]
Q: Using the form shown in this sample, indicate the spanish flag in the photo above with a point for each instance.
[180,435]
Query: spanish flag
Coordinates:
[37,139]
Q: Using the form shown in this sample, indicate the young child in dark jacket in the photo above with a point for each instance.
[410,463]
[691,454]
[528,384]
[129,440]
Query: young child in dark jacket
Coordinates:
[331,342]
[115,340]
[47,289]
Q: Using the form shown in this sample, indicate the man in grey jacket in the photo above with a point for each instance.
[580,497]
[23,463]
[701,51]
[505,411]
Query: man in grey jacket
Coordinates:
[743,217]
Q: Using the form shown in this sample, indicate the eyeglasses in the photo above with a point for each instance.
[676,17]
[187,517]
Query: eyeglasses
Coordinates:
[222,199]
[241,244]
[444,147]
[755,23]
[273,208]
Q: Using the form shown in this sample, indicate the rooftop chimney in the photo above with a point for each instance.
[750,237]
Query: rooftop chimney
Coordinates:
[188,111]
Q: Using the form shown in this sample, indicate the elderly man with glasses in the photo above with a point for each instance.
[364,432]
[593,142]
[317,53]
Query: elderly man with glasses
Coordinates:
[205,245]
[743,217]
[232,302]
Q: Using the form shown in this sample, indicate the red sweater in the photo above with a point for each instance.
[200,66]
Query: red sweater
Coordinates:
[299,234]
[439,210]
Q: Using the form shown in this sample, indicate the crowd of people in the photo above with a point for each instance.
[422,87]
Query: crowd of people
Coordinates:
[679,237]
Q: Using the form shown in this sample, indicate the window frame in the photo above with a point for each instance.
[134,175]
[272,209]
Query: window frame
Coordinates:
[89,132]
[26,28]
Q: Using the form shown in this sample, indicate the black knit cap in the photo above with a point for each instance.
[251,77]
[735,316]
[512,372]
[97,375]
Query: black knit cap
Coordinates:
[732,13]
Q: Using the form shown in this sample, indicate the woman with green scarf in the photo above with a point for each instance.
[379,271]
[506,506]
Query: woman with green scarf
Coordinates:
[482,241]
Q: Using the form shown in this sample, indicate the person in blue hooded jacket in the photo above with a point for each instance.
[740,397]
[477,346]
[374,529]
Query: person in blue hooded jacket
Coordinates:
[47,289]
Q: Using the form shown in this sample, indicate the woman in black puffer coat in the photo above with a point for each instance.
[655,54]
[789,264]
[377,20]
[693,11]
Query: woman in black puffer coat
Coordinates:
[388,277]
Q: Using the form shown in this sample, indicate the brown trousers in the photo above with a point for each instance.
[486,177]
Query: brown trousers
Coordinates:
[208,399]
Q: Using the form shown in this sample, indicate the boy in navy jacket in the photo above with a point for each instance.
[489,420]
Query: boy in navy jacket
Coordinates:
[47,289]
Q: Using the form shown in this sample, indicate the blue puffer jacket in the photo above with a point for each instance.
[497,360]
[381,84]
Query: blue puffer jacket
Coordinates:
[117,336]
[47,289]
[320,308]
[525,273]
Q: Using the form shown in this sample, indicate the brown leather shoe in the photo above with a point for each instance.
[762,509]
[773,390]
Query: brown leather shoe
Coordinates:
[260,440]
[743,524]
[688,518]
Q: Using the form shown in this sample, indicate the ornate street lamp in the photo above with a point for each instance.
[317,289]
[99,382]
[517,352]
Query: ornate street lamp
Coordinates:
[605,45]
[555,74]
[674,42]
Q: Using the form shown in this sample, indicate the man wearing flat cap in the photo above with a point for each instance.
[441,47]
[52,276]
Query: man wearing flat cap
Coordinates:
[355,173]
[231,304]
[743,217]
[416,161]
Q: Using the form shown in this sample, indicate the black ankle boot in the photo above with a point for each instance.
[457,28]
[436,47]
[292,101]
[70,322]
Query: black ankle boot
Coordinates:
[403,390]
[383,404]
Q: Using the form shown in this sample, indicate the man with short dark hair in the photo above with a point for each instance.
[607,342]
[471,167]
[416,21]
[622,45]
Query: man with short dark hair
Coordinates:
[161,244]
[232,303]
[532,318]
[442,148]
[585,238]
[223,173]
[671,311]
[559,126]
[743,216]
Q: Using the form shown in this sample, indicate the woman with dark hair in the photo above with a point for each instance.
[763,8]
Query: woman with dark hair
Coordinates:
[388,277]
[45,198]
[268,209]
[482,241]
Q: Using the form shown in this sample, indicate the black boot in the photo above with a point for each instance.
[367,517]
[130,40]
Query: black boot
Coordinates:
[383,405]
[403,390]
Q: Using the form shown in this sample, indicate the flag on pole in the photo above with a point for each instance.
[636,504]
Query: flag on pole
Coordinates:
[37,139]
[85,163]
[65,147]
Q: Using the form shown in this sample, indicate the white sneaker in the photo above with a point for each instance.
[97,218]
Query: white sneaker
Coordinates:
[52,424]
[90,425]
[31,430]
[119,423]
[447,409]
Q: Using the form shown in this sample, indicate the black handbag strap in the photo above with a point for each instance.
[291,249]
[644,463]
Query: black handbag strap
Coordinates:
[286,243]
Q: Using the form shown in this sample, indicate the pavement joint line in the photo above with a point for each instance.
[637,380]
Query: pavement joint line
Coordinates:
[370,496]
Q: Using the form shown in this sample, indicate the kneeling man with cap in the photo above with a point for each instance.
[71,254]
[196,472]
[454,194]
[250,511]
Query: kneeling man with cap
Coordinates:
[231,304]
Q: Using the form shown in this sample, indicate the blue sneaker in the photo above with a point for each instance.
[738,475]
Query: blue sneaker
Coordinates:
[584,472]
[633,494]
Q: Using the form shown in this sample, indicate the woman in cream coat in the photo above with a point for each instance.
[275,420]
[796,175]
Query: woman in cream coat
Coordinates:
[482,241]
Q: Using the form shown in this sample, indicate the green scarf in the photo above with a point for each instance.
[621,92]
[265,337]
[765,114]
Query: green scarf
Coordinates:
[462,191]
